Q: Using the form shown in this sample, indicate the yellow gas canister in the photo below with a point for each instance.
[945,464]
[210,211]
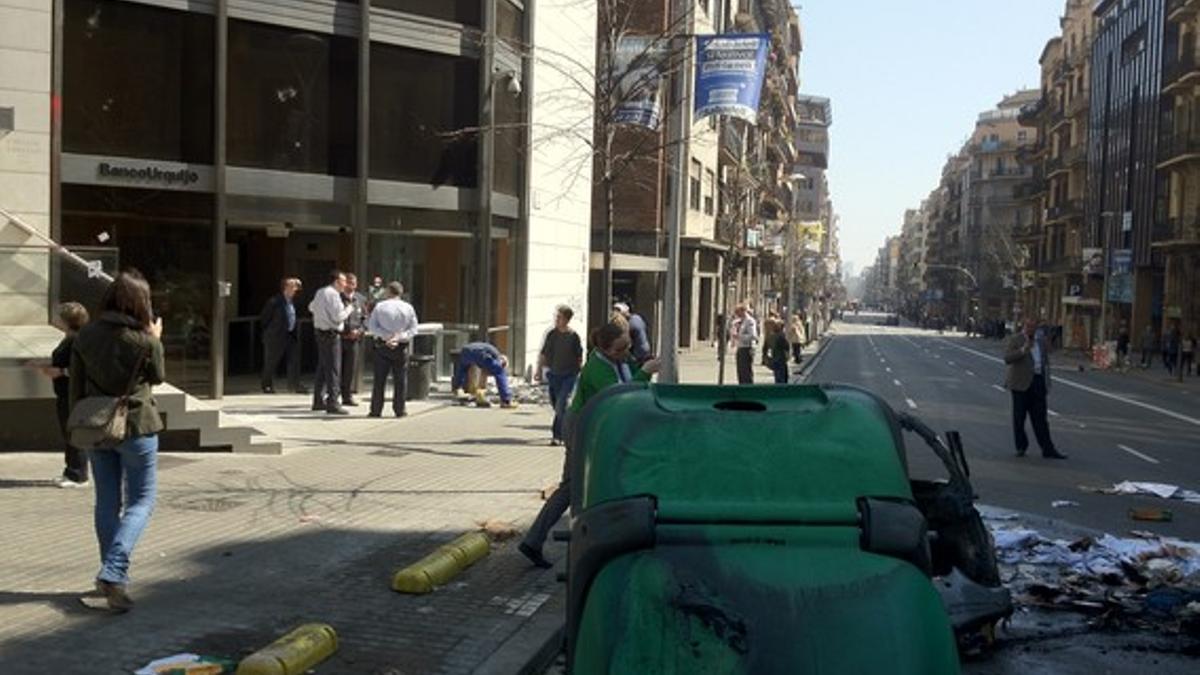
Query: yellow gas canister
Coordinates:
[294,653]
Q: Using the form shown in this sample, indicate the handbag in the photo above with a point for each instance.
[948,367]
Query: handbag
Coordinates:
[101,422]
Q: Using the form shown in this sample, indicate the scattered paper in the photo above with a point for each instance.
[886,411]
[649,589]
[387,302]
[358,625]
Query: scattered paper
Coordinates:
[1063,503]
[1160,490]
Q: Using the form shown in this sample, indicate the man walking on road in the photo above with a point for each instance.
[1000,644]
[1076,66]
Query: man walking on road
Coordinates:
[747,336]
[329,316]
[1147,346]
[392,325]
[1028,378]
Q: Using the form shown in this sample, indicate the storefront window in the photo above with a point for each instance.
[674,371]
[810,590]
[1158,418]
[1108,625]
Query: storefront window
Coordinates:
[137,81]
[458,11]
[149,230]
[424,110]
[292,99]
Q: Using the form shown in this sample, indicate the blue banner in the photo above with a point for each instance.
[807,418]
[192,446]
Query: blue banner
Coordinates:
[729,75]
[637,80]
[1120,276]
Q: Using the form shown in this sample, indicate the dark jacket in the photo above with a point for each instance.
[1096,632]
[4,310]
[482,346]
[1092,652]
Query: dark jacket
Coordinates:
[273,321]
[639,335]
[1020,370]
[102,362]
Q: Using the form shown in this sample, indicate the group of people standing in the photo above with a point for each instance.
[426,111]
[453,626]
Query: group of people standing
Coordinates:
[343,320]
[1176,350]
[782,340]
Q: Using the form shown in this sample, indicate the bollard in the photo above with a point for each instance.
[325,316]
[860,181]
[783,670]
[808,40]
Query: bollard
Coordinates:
[294,653]
[445,563]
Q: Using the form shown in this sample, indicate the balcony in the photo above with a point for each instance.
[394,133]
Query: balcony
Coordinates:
[1072,208]
[1179,10]
[1028,234]
[1075,155]
[1171,232]
[1001,173]
[1067,264]
[1055,164]
[1030,189]
[1178,148]
[1032,112]
[1080,105]
[1180,70]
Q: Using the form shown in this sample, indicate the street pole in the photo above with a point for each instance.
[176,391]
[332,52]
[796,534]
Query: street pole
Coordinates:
[487,153]
[677,132]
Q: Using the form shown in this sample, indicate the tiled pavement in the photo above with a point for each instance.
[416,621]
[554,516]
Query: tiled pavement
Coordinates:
[242,548]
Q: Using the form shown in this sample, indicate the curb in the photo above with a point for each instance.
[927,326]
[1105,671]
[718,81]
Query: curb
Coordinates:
[532,649]
[810,365]
[445,563]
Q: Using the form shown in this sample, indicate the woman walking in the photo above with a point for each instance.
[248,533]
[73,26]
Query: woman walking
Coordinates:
[121,353]
[796,338]
[609,364]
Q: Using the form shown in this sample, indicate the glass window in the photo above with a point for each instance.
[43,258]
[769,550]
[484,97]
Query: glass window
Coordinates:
[150,229]
[694,185]
[137,81]
[459,11]
[510,21]
[709,191]
[292,99]
[424,110]
[510,139]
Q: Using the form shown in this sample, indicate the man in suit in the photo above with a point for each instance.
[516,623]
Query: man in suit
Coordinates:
[352,334]
[281,337]
[1028,378]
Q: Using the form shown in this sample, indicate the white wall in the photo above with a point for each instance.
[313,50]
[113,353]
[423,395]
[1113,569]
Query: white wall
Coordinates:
[560,189]
[25,43]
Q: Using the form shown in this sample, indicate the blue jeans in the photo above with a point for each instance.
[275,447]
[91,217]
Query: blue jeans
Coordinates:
[560,395]
[135,464]
[488,365]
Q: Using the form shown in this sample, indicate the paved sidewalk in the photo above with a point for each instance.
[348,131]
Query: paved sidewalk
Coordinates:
[241,548]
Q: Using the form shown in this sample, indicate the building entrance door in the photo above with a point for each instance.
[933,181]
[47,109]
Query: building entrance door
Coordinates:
[258,259]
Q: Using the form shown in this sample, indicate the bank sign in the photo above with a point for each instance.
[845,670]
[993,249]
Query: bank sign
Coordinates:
[147,174]
[729,75]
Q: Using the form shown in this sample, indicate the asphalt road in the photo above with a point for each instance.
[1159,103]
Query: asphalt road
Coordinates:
[1115,427]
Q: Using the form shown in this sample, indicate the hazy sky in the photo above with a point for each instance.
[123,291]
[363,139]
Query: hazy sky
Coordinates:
[907,80]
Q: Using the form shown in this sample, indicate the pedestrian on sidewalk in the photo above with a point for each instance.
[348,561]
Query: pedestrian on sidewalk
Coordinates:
[796,338]
[745,338]
[770,326]
[610,363]
[639,333]
[1171,349]
[352,334]
[72,317]
[392,326]
[1028,378]
[1188,354]
[561,359]
[122,353]
[329,314]
[1148,343]
[779,351]
[1122,348]
[490,361]
[281,336]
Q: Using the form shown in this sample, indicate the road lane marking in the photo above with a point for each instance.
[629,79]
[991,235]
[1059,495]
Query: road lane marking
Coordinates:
[951,363]
[998,387]
[1137,454]
[1091,390]
[911,403]
[898,383]
[888,369]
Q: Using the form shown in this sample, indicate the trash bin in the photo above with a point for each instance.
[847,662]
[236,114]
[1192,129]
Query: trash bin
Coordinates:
[420,375]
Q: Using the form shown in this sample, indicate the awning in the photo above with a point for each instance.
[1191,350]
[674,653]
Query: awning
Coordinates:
[1080,302]
[627,262]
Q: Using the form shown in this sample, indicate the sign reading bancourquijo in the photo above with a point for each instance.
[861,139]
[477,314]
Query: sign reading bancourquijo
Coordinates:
[148,174]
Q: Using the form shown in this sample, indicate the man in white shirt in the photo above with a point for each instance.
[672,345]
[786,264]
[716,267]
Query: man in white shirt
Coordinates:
[329,315]
[746,336]
[392,326]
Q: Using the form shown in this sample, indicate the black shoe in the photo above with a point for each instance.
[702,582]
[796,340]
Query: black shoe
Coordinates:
[374,414]
[1053,454]
[535,556]
[350,403]
[337,411]
[268,390]
[1020,452]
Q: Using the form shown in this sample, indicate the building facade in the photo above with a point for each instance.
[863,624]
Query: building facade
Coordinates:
[219,145]
[1122,177]
[1176,234]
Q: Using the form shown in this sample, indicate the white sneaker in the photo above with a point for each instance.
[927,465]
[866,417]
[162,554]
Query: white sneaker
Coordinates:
[67,483]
